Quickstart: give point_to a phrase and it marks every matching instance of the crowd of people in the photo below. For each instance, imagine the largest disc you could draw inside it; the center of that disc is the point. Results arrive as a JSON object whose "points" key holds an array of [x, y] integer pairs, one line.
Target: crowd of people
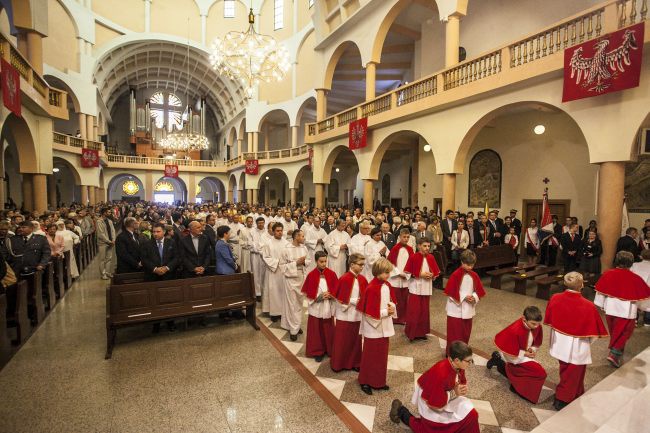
{"points": [[364, 273]]}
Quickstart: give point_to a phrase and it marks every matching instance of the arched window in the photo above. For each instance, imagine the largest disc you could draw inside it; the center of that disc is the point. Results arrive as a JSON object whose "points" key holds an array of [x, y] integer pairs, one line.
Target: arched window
{"points": [[166, 110]]}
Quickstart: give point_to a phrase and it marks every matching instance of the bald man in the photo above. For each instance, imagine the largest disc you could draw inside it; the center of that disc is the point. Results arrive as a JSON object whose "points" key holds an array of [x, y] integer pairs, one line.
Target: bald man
{"points": [[195, 251]]}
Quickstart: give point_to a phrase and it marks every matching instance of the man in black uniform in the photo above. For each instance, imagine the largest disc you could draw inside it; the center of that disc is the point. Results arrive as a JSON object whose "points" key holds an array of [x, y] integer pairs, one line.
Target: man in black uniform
{"points": [[127, 248]]}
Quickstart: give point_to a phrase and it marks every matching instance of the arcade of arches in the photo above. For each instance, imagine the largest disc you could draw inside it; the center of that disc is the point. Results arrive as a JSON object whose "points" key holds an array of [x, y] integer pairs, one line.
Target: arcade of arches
{"points": [[459, 117]]}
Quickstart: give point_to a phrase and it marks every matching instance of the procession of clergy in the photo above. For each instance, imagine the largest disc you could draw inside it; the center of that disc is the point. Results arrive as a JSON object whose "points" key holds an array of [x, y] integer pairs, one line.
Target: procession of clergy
{"points": [[358, 290]]}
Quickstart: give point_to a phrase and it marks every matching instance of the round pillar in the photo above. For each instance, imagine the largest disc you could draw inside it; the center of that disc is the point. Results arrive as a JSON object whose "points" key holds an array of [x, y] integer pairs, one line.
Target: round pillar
{"points": [[611, 190], [39, 183], [367, 195], [84, 195], [321, 104], [254, 198], [28, 191], [294, 136], [51, 191], [448, 192], [90, 128], [319, 189], [371, 74], [35, 51], [82, 125], [294, 195], [452, 40], [92, 195]]}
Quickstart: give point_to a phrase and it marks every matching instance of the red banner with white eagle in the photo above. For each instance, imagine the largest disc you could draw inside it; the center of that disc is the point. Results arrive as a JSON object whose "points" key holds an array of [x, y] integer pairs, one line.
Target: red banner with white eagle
{"points": [[171, 170], [358, 134], [607, 64], [11, 88], [89, 158], [252, 166]]}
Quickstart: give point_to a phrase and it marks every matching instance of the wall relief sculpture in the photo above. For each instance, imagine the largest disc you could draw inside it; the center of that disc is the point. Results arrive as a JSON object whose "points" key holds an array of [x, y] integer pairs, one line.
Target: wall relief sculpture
{"points": [[637, 185], [485, 180]]}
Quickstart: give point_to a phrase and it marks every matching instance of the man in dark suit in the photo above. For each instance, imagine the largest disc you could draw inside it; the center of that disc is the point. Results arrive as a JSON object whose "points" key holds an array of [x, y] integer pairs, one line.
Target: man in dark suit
{"points": [[629, 243], [448, 225], [387, 236], [195, 252], [329, 225], [516, 222], [580, 232], [422, 233], [127, 248], [177, 220], [496, 229], [474, 235], [208, 230], [28, 252], [571, 245]]}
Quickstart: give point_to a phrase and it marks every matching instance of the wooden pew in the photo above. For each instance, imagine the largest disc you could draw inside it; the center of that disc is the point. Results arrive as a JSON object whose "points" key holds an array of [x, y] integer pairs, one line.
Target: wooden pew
{"points": [[58, 276], [138, 303], [127, 278], [545, 285], [495, 256], [497, 274], [67, 276], [522, 279], [16, 310], [5, 344], [48, 282], [77, 256]]}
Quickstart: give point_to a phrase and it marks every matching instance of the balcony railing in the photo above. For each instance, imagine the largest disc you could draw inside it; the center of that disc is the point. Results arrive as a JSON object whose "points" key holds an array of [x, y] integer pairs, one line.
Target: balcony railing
{"points": [[54, 101], [550, 41], [75, 142]]}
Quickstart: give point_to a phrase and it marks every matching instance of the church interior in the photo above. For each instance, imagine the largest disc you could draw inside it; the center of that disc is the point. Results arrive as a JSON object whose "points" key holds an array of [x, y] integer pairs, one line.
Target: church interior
{"points": [[214, 121]]}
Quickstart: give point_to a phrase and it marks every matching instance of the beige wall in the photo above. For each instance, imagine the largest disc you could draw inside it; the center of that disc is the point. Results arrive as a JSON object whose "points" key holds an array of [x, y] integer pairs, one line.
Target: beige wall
{"points": [[60, 47], [277, 92], [127, 13], [266, 21], [307, 62], [104, 34], [304, 13], [171, 17], [218, 26]]}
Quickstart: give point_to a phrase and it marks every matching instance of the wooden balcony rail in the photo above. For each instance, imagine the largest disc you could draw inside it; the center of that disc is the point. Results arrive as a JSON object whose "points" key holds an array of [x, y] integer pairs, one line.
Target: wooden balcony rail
{"points": [[69, 140], [587, 25]]}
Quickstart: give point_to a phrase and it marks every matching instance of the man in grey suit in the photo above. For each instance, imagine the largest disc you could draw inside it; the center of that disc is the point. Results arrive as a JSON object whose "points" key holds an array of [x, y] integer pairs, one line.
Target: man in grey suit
{"points": [[106, 241], [422, 233], [387, 237]]}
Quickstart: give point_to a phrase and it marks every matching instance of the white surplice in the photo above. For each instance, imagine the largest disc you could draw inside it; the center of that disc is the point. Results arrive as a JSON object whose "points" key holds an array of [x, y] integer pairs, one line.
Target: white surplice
{"points": [[372, 254], [336, 258], [294, 277], [373, 328], [257, 264], [465, 310], [312, 236], [421, 286], [273, 256], [235, 241], [289, 226], [349, 312], [398, 278], [246, 244], [323, 309], [357, 244]]}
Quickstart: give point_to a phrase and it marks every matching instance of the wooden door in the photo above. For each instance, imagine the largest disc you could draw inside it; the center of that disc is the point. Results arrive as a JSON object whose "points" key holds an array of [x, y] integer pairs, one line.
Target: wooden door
{"points": [[437, 205], [533, 209]]}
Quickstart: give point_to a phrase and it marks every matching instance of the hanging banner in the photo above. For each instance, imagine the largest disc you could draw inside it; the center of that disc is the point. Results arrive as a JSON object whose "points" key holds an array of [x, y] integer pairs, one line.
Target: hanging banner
{"points": [[358, 134], [252, 166], [608, 64], [171, 170], [310, 152], [89, 158], [11, 88]]}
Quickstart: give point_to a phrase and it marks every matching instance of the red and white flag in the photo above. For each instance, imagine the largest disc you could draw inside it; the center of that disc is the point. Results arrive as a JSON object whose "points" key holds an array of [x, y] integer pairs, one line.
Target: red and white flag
{"points": [[310, 160], [358, 134], [252, 166], [11, 88], [607, 64], [171, 170], [89, 158], [546, 229]]}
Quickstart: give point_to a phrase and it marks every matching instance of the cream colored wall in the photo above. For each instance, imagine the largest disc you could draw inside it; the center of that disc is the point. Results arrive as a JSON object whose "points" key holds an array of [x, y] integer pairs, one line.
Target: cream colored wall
{"points": [[430, 49], [304, 13], [559, 154], [171, 17], [104, 34], [266, 20], [5, 27], [60, 47], [127, 13], [307, 62], [277, 92], [398, 170], [218, 26]]}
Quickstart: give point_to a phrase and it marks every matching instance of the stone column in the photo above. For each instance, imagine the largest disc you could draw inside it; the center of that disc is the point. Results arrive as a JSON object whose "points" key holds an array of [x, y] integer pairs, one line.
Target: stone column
{"points": [[240, 144], [35, 51], [256, 141], [294, 195], [266, 137], [321, 104], [84, 195], [448, 192], [229, 195], [249, 196], [51, 191], [191, 188], [371, 74], [39, 183], [21, 41], [254, 198], [367, 195], [148, 186], [611, 189], [92, 195], [294, 136], [240, 196], [28, 192], [452, 40], [90, 126], [319, 190], [82, 125]]}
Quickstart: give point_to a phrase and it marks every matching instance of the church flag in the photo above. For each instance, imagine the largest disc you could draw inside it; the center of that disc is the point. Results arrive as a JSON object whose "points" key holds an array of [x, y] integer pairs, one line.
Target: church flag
{"points": [[252, 166], [625, 222], [546, 224], [358, 134], [607, 64], [89, 158], [11, 88], [487, 209], [171, 170]]}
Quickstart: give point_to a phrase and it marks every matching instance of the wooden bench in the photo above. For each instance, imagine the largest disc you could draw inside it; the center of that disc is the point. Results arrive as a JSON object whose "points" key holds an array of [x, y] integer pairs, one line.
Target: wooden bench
{"points": [[497, 274], [5, 344], [16, 310], [441, 261], [545, 286], [67, 275], [127, 278], [495, 256], [138, 303], [522, 279], [59, 283]]}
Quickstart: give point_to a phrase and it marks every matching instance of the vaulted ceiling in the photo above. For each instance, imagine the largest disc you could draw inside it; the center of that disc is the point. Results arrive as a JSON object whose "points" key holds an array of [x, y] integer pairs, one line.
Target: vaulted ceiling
{"points": [[164, 65]]}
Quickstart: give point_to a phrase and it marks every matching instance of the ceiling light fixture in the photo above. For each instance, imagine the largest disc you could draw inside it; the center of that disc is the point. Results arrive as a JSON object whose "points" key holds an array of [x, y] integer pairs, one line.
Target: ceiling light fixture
{"points": [[427, 148], [539, 129], [55, 170], [337, 169]]}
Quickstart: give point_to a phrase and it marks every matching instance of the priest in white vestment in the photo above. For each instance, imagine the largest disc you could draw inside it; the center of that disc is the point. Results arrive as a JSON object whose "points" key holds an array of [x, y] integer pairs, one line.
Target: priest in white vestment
{"points": [[295, 260], [336, 245], [314, 241], [245, 242], [235, 232], [375, 249], [358, 242], [257, 264], [273, 256]]}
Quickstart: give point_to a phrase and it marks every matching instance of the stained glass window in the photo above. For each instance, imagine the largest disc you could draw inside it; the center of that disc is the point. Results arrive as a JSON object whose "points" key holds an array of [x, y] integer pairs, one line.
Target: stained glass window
{"points": [[166, 110]]}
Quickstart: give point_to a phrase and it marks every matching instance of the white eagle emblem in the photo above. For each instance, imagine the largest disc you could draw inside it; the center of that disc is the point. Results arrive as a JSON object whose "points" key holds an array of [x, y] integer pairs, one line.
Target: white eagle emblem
{"points": [[90, 156], [12, 87], [251, 165], [357, 134], [598, 70]]}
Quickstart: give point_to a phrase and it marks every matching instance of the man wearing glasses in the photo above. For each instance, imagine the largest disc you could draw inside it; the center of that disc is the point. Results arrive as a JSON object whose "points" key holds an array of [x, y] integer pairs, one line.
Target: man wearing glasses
{"points": [[440, 395]]}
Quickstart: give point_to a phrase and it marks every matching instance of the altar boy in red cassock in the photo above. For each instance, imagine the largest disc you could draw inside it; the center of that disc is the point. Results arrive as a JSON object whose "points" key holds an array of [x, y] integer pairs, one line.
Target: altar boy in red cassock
{"points": [[399, 280], [575, 324], [423, 269], [318, 288], [377, 307], [518, 345], [464, 289], [440, 395], [618, 292], [347, 340]]}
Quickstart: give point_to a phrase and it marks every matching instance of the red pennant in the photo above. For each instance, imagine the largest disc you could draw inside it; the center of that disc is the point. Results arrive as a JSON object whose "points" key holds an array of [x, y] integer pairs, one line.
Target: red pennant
{"points": [[604, 65], [89, 158], [310, 160], [171, 170], [252, 166], [358, 134], [11, 88]]}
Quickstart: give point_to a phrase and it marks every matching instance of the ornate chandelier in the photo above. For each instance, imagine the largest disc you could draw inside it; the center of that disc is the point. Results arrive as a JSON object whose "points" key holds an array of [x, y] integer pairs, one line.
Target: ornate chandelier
{"points": [[250, 57]]}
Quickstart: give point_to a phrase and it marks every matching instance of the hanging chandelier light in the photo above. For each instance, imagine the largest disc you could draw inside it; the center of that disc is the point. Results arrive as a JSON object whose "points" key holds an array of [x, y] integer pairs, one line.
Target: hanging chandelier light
{"points": [[191, 135], [250, 57]]}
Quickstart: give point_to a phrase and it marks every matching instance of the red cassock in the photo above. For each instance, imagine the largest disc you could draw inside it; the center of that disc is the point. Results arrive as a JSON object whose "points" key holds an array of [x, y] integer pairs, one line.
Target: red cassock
{"points": [[458, 328], [347, 340], [417, 310], [435, 384], [401, 294], [571, 314], [624, 285], [320, 332], [374, 358], [527, 378]]}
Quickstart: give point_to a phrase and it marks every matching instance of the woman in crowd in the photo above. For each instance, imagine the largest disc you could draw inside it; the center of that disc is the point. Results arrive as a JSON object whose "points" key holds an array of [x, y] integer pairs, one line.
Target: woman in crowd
{"points": [[70, 239], [532, 242], [591, 251], [55, 240]]}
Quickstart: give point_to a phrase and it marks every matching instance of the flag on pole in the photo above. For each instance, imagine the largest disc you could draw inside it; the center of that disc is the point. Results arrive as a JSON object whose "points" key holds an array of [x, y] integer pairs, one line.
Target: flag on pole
{"points": [[626, 219], [546, 224], [487, 209]]}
